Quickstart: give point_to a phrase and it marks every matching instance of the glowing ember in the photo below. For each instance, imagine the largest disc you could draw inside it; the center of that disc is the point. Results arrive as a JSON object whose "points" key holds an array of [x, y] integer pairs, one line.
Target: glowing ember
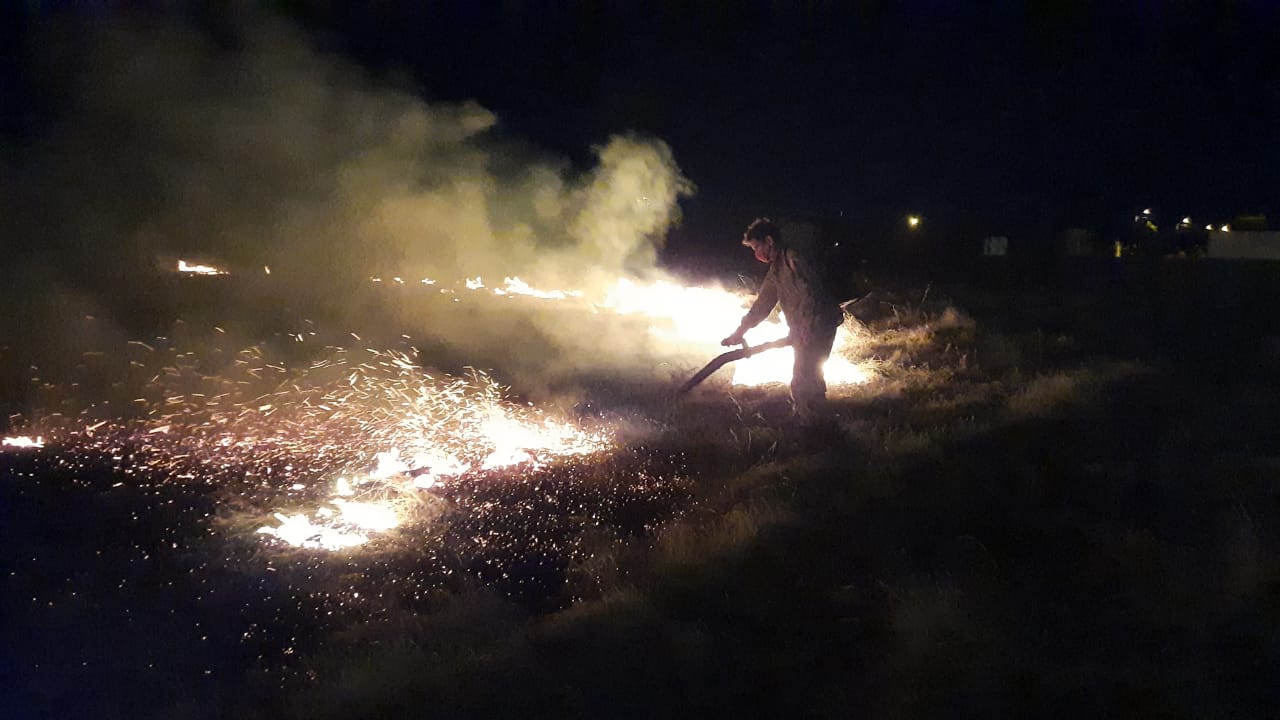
{"points": [[437, 429], [371, 430], [374, 516], [299, 531], [185, 267]]}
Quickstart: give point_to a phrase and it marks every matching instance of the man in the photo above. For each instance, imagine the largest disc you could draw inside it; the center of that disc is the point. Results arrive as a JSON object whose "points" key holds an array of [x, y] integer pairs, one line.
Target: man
{"points": [[811, 313]]}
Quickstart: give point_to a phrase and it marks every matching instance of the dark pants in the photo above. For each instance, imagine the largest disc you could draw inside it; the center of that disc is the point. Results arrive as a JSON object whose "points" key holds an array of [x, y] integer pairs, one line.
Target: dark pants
{"points": [[808, 386]]}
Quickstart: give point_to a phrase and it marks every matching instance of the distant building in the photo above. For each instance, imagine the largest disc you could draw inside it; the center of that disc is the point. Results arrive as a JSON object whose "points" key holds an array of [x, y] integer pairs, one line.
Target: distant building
{"points": [[1244, 245]]}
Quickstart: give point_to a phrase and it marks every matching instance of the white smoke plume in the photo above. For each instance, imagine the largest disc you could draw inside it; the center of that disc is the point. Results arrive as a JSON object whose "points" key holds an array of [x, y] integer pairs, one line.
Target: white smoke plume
{"points": [[165, 144]]}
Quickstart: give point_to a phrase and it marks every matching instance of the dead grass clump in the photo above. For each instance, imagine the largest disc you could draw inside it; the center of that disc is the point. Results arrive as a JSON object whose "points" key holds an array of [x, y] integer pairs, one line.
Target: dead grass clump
{"points": [[694, 543], [952, 319], [1062, 392], [1048, 394], [965, 399], [908, 441], [903, 338]]}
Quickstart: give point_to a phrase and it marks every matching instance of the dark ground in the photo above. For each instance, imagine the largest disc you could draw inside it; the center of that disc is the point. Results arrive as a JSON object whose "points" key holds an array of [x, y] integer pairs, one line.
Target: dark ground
{"points": [[1068, 506]]}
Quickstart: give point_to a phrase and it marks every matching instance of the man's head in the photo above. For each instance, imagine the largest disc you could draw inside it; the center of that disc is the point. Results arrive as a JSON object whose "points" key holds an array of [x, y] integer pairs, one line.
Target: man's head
{"points": [[764, 238]]}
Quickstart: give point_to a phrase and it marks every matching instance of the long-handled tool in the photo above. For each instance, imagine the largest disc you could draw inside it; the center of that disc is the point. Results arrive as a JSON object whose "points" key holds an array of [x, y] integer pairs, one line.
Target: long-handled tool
{"points": [[723, 359], [747, 351]]}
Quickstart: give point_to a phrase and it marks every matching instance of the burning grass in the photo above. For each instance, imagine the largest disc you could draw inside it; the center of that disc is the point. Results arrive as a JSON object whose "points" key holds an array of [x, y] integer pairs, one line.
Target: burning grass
{"points": [[958, 542], [313, 497], [974, 527]]}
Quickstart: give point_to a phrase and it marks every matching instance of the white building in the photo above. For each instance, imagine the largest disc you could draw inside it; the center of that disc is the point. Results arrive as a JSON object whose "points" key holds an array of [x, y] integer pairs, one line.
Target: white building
{"points": [[997, 245]]}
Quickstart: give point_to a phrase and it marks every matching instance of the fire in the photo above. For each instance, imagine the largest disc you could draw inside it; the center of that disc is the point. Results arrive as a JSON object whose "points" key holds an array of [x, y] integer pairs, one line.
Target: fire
{"points": [[511, 285], [434, 430], [193, 269], [516, 286], [299, 531], [774, 366], [341, 523], [374, 516], [689, 321], [695, 318], [691, 315], [357, 436]]}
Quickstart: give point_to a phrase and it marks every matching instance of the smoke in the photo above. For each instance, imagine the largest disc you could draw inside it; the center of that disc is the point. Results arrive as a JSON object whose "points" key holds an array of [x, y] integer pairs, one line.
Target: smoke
{"points": [[271, 154]]}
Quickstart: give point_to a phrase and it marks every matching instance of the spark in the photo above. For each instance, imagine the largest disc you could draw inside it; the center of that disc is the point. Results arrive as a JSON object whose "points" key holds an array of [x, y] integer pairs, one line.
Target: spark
{"points": [[342, 452], [435, 429], [352, 440]]}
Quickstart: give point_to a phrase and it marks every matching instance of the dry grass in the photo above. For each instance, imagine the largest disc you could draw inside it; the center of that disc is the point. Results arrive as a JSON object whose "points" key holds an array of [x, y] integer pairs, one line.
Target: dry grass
{"points": [[987, 539], [1013, 524]]}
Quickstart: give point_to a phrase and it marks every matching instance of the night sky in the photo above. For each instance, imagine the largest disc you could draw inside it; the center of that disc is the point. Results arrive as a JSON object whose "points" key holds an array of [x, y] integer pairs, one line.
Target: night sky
{"points": [[994, 115]]}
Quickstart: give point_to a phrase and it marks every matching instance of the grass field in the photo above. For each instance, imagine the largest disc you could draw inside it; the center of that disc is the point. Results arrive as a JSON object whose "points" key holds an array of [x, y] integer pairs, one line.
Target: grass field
{"points": [[1058, 498]]}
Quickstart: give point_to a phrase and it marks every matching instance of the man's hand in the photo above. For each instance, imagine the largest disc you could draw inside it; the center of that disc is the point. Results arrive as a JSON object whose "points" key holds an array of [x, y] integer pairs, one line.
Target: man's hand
{"points": [[734, 339]]}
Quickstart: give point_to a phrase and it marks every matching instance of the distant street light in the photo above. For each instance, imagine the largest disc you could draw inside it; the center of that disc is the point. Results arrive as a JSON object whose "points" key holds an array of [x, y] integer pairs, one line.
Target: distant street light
{"points": [[913, 221]]}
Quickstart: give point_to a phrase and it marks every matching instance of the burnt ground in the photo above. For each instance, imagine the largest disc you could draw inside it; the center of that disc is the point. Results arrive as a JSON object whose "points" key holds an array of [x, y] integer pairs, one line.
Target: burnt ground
{"points": [[1061, 497]]}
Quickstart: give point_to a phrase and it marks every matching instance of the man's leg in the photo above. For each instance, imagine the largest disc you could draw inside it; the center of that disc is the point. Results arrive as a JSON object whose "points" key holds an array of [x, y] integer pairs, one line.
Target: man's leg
{"points": [[808, 386]]}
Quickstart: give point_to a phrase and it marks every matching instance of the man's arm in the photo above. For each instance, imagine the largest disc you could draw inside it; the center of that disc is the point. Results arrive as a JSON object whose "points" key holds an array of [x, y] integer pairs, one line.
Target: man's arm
{"points": [[766, 300]]}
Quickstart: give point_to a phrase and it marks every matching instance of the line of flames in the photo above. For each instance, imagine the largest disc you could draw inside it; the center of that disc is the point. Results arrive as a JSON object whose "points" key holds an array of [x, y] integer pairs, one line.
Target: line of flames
{"points": [[718, 312], [427, 430]]}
